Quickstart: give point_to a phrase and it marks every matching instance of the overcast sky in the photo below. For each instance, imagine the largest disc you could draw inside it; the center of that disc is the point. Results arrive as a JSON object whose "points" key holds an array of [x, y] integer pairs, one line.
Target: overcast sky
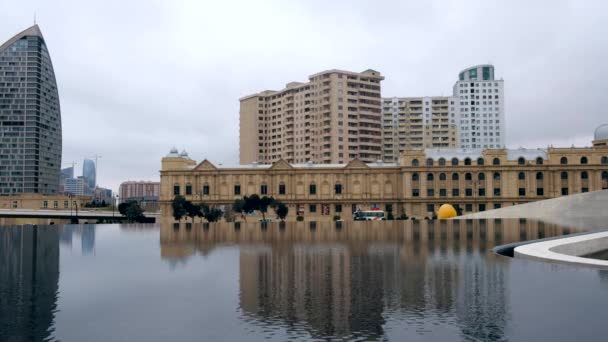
{"points": [[138, 77]]}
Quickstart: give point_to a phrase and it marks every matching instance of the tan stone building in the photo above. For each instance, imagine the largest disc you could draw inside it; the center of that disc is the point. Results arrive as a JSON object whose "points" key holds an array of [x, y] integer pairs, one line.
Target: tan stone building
{"points": [[333, 118], [418, 123], [422, 180], [40, 201]]}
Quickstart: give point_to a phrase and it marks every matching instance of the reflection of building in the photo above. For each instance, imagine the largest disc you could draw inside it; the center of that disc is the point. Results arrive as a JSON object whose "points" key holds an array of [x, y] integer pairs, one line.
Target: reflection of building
{"points": [[343, 282], [144, 192], [89, 174], [29, 276], [471, 179], [30, 120], [87, 239], [333, 118]]}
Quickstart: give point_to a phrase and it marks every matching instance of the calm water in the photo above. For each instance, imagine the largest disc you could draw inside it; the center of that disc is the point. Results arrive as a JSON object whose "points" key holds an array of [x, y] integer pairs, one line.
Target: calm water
{"points": [[391, 280]]}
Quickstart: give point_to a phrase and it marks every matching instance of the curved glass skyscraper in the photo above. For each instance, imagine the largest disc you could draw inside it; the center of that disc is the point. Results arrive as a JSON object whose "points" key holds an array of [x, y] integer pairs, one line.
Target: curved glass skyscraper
{"points": [[30, 116], [89, 174]]}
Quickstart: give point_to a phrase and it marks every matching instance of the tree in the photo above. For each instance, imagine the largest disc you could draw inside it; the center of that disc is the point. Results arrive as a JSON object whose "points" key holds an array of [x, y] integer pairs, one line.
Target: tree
{"points": [[252, 203], [213, 214], [122, 207], [281, 210], [239, 207], [177, 205], [191, 209], [263, 205], [134, 212]]}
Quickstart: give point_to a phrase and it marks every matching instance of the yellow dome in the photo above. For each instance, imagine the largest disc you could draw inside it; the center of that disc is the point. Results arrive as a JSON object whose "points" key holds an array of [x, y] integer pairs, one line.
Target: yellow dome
{"points": [[446, 211]]}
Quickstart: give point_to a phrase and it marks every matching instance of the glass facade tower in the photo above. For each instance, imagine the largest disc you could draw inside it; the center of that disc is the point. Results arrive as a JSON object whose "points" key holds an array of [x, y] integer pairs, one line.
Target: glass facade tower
{"points": [[30, 116], [89, 173]]}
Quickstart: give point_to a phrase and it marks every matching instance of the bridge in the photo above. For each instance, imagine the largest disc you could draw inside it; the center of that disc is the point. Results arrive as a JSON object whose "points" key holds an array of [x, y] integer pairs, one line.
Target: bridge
{"points": [[67, 216]]}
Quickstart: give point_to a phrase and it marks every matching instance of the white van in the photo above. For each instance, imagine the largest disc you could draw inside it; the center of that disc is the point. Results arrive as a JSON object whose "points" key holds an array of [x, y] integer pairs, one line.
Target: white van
{"points": [[369, 215]]}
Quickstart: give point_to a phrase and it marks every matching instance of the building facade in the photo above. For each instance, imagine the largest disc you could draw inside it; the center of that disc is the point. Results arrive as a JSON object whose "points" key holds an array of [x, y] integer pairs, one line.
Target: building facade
{"points": [[471, 179], [146, 193], [75, 186], [30, 117], [89, 173], [418, 122], [40, 201], [481, 107], [333, 118]]}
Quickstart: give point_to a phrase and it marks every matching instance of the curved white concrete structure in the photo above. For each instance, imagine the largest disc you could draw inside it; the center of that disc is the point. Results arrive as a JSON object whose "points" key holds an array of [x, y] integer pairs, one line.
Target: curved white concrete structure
{"points": [[567, 250]]}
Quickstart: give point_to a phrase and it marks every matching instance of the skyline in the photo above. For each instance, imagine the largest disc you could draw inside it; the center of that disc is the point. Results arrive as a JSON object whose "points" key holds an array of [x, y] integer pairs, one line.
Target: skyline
{"points": [[191, 63]]}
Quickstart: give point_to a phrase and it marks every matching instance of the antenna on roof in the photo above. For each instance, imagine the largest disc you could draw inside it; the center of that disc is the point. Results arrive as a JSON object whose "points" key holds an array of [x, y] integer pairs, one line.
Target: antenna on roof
{"points": [[34, 17]]}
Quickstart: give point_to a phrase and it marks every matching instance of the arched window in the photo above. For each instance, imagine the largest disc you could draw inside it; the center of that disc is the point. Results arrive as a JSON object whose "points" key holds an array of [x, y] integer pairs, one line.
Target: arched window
{"points": [[442, 176], [539, 161], [496, 161], [455, 176], [583, 160], [468, 176], [430, 177], [415, 162], [479, 161], [441, 161], [563, 161], [521, 176], [584, 175], [454, 161], [481, 176], [521, 161], [564, 175], [496, 176], [539, 176], [467, 161], [605, 175], [415, 177], [429, 162], [604, 160]]}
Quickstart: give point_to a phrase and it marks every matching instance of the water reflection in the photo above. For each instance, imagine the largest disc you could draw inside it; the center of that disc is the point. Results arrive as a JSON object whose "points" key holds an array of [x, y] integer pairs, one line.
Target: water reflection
{"points": [[344, 281], [29, 275], [86, 233]]}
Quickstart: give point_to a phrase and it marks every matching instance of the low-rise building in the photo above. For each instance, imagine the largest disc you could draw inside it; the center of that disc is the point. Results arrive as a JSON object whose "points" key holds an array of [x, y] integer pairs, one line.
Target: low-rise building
{"points": [[146, 193], [470, 179], [40, 201]]}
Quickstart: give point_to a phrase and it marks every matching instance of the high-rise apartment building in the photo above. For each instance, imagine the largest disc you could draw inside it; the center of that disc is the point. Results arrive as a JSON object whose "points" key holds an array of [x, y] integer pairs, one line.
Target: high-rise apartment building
{"points": [[75, 186], [333, 118], [417, 123], [89, 173], [30, 116], [481, 108]]}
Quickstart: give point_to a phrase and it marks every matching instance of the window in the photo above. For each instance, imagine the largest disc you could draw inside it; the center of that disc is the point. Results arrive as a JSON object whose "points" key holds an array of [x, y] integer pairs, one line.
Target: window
{"points": [[604, 160], [338, 208], [237, 189], [176, 189], [564, 175], [605, 175], [282, 189], [312, 189], [496, 176], [454, 161], [16, 204], [481, 191], [540, 191], [415, 177], [430, 208], [521, 161], [415, 162], [522, 191], [480, 161], [584, 175], [430, 177], [539, 161], [564, 191], [65, 204], [468, 207], [443, 192], [468, 176], [55, 204], [338, 188], [468, 192], [467, 161], [206, 189], [563, 161], [583, 160], [496, 161], [415, 193], [429, 162], [521, 176], [45, 204], [188, 189], [455, 176], [430, 192], [482, 207], [497, 206], [388, 208], [539, 176], [442, 176], [455, 192], [481, 176], [312, 208], [441, 162], [584, 189], [496, 191]]}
